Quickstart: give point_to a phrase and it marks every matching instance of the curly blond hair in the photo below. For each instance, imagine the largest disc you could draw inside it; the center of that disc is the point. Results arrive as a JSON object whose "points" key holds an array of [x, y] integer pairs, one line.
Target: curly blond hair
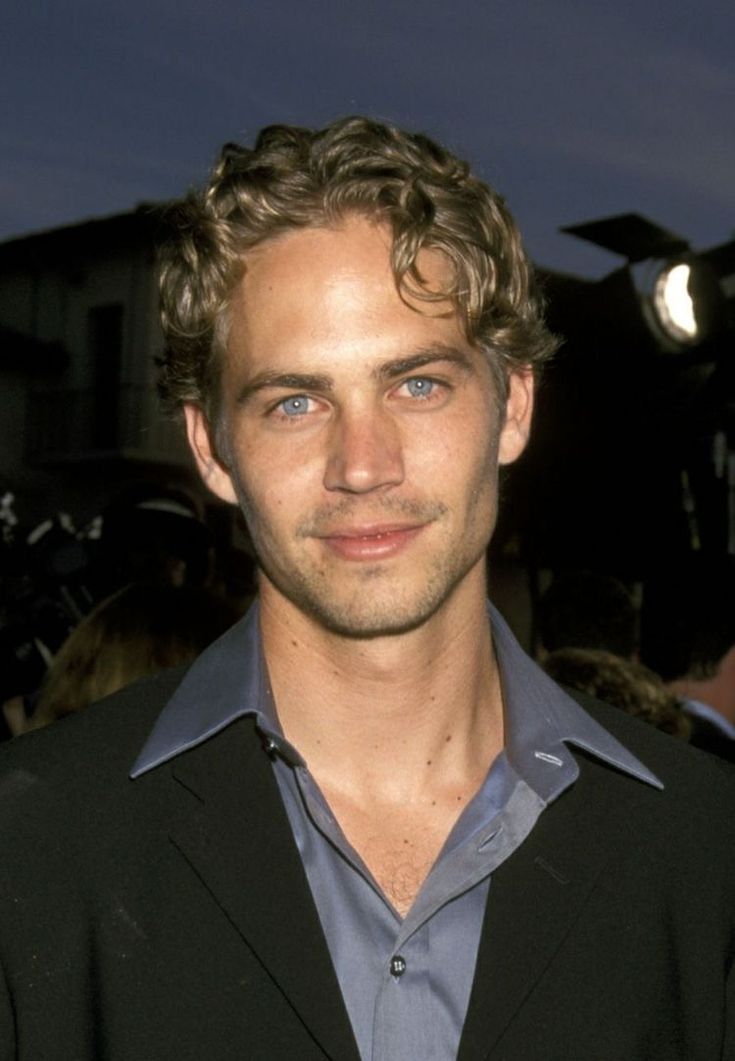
{"points": [[296, 178]]}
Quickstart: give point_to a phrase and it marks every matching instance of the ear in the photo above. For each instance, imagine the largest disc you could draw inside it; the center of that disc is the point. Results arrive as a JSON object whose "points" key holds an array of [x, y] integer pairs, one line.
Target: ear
{"points": [[518, 411], [214, 473]]}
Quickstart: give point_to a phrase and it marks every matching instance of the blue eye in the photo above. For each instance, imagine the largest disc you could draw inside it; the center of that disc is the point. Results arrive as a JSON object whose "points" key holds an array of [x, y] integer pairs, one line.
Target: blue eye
{"points": [[295, 406], [419, 387]]}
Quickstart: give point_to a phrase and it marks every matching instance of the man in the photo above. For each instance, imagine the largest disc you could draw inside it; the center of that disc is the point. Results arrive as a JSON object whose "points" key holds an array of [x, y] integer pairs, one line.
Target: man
{"points": [[363, 824], [689, 628]]}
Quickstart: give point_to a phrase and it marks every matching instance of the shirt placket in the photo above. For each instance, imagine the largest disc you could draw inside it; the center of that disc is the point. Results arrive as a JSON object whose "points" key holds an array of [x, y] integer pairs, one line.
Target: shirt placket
{"points": [[403, 1000]]}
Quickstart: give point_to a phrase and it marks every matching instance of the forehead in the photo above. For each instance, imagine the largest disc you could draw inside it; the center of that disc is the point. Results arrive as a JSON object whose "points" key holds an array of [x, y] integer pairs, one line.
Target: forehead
{"points": [[311, 292]]}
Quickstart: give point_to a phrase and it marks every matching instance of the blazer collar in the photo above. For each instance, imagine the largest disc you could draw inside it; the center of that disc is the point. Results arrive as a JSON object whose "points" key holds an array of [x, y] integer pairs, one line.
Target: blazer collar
{"points": [[538, 895], [229, 825]]}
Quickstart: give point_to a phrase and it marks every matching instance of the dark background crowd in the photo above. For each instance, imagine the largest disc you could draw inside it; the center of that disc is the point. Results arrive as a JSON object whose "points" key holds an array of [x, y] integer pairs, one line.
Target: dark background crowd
{"points": [[84, 611], [144, 586]]}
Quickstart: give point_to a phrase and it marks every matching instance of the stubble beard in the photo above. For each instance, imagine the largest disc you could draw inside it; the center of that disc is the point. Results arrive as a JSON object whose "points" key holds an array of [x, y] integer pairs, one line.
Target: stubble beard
{"points": [[377, 604]]}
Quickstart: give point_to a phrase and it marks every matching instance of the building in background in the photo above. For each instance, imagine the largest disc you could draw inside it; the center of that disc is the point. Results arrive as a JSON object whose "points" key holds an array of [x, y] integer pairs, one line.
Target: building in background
{"points": [[638, 428], [79, 336]]}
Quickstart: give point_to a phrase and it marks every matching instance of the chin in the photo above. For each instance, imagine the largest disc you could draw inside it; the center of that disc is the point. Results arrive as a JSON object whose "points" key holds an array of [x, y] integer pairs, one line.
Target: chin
{"points": [[375, 610], [367, 624]]}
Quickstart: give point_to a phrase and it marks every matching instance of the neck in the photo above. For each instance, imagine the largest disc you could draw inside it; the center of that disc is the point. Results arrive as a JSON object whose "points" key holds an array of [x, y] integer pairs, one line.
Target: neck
{"points": [[390, 715]]}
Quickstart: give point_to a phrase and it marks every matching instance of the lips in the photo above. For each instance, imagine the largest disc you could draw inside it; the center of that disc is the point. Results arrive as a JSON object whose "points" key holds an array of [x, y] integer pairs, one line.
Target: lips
{"points": [[376, 542]]}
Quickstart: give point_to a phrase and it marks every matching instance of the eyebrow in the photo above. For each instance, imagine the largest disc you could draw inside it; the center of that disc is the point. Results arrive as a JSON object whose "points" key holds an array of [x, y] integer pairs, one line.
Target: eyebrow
{"points": [[285, 380], [432, 355], [387, 370]]}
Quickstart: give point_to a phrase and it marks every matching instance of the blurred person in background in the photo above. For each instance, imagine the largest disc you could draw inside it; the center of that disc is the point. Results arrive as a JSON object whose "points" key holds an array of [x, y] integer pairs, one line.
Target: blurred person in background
{"points": [[689, 640], [587, 609], [152, 534], [53, 574], [140, 630], [624, 683]]}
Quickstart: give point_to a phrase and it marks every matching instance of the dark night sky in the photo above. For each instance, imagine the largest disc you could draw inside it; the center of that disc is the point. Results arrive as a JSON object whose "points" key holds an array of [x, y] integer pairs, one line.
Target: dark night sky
{"points": [[573, 109]]}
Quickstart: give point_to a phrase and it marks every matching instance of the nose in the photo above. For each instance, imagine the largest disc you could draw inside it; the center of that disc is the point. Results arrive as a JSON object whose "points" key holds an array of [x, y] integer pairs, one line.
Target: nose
{"points": [[365, 452]]}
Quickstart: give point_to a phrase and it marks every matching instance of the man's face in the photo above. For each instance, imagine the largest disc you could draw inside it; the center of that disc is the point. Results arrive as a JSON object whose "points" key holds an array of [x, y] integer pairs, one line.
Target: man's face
{"points": [[362, 435]]}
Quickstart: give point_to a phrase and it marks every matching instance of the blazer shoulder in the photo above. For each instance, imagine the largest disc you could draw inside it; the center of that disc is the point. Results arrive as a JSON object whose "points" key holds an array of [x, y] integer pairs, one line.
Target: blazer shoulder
{"points": [[110, 733], [687, 773]]}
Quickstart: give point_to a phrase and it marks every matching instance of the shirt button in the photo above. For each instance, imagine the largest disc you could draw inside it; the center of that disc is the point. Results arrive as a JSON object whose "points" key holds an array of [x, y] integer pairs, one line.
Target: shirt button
{"points": [[397, 965]]}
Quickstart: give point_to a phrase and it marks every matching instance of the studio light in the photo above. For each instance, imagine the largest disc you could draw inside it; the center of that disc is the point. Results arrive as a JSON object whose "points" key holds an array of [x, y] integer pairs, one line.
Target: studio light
{"points": [[680, 299], [673, 303], [680, 293]]}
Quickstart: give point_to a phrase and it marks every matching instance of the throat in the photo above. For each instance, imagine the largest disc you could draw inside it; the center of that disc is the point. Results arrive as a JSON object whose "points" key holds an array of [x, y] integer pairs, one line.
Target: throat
{"points": [[400, 841]]}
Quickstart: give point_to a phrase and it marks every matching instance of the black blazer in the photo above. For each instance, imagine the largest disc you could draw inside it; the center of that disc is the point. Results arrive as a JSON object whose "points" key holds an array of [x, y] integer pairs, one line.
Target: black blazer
{"points": [[170, 917]]}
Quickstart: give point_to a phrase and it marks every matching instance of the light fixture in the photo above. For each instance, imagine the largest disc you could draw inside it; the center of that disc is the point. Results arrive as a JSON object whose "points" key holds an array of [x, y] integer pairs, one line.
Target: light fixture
{"points": [[673, 303], [679, 292], [679, 298]]}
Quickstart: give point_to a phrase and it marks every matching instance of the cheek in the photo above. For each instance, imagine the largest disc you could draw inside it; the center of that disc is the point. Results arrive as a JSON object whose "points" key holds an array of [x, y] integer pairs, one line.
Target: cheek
{"points": [[460, 457], [275, 487]]}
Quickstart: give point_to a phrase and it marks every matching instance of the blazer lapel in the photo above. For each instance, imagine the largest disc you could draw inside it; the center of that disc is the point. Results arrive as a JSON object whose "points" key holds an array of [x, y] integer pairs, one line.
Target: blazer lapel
{"points": [[234, 833], [534, 900]]}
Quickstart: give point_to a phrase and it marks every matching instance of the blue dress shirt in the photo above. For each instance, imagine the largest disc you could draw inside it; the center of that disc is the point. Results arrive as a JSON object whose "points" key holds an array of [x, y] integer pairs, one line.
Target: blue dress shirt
{"points": [[701, 710], [405, 982]]}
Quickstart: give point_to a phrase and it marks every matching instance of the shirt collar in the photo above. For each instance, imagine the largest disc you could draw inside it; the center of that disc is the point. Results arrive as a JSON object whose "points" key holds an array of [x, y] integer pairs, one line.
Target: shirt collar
{"points": [[229, 680], [701, 710], [541, 720]]}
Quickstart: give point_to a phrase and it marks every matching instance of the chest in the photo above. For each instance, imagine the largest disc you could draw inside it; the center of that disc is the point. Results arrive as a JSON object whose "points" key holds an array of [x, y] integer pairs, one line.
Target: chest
{"points": [[398, 844]]}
